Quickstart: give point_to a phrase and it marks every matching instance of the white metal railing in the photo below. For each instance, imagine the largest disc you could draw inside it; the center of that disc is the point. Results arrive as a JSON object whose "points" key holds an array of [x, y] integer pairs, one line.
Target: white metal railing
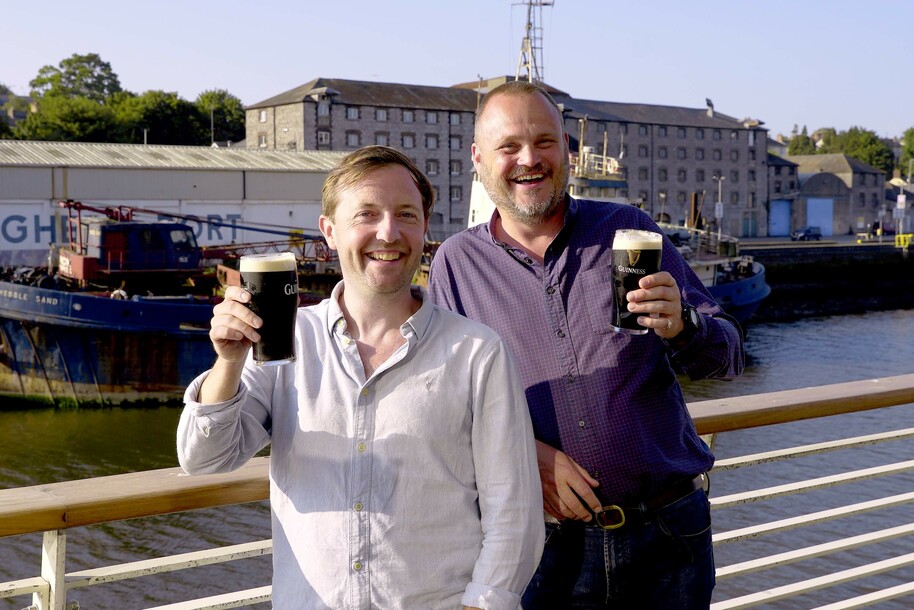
{"points": [[55, 508]]}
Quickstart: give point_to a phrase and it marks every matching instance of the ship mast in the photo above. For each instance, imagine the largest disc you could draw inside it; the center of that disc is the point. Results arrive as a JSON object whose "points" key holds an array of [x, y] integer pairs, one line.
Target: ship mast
{"points": [[530, 62]]}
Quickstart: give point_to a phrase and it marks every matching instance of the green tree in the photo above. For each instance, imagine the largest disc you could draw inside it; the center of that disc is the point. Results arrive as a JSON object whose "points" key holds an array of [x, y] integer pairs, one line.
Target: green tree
{"points": [[864, 145], [801, 144], [6, 132], [223, 113], [4, 90], [165, 117], [907, 151], [86, 76], [75, 119]]}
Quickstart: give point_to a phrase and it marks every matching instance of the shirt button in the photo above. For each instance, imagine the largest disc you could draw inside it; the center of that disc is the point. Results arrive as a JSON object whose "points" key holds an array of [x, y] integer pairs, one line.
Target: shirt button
{"points": [[357, 566], [358, 506], [365, 392], [550, 290], [582, 423], [560, 333], [529, 261], [570, 377], [347, 340], [361, 447]]}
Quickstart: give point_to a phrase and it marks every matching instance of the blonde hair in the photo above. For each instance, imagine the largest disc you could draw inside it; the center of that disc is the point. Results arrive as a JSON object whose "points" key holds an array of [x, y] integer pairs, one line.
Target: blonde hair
{"points": [[358, 164]]}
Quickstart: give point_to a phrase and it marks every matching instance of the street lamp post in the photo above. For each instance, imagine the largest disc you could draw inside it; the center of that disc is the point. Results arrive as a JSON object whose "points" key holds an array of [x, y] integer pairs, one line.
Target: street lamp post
{"points": [[719, 206]]}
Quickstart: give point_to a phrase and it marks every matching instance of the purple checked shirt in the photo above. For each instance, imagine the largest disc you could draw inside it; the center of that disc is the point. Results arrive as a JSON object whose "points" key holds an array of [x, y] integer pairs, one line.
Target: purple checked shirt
{"points": [[610, 401]]}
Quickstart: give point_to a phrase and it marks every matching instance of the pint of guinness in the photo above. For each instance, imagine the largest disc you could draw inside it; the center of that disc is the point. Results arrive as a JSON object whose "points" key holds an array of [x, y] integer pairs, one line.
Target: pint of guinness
{"points": [[636, 253], [272, 281]]}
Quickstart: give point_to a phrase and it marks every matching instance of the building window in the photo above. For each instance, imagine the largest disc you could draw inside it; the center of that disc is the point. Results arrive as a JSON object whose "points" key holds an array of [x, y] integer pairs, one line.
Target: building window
{"points": [[352, 113], [716, 134], [263, 116], [455, 118], [353, 139], [661, 152], [734, 155], [717, 154], [734, 176], [323, 137], [409, 140], [642, 151], [382, 139], [642, 195], [642, 130], [323, 108], [431, 140], [431, 167], [700, 154], [681, 175], [681, 153], [874, 199], [751, 175], [699, 134], [456, 143], [752, 155], [661, 131], [380, 114], [752, 199], [734, 197], [456, 168], [642, 174], [777, 170], [623, 128], [734, 135], [699, 175], [776, 187], [752, 138], [431, 117], [681, 132], [662, 174], [262, 140], [681, 197], [792, 185], [861, 197], [456, 193], [408, 116]]}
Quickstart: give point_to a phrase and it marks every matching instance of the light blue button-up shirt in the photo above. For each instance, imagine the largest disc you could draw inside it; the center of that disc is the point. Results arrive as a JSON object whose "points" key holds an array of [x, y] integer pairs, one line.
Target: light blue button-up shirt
{"points": [[414, 488]]}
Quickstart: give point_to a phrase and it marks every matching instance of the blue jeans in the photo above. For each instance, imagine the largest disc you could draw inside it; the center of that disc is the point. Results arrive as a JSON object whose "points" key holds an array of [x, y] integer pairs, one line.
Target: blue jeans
{"points": [[661, 561]]}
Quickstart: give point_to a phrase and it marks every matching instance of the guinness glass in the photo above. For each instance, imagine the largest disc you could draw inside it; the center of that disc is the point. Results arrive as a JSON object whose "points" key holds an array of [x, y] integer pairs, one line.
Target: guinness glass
{"points": [[272, 280], [636, 254]]}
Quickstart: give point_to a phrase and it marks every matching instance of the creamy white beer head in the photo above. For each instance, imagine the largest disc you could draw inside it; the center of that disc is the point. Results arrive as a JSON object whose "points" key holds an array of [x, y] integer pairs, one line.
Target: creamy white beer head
{"points": [[637, 239], [263, 263]]}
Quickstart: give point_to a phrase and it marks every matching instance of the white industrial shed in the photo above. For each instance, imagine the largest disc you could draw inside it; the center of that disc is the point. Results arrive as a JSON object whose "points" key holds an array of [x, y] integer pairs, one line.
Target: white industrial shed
{"points": [[244, 187]]}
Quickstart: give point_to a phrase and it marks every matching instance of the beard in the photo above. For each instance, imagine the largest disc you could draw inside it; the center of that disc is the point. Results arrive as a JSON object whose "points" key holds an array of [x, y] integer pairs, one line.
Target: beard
{"points": [[545, 200]]}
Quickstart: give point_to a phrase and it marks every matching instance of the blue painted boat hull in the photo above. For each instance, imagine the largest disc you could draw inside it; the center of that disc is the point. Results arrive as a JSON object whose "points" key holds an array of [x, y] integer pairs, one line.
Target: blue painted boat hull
{"points": [[741, 297], [77, 349]]}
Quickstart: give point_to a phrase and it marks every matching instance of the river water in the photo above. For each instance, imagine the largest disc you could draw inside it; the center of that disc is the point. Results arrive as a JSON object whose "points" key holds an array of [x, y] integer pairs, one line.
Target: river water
{"points": [[43, 446]]}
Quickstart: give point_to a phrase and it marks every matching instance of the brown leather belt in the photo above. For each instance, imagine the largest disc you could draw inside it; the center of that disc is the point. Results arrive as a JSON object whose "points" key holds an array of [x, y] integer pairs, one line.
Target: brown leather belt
{"points": [[613, 516]]}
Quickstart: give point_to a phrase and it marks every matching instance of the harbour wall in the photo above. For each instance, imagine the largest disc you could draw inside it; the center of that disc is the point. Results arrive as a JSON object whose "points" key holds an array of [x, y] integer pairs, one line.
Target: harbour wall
{"points": [[833, 278]]}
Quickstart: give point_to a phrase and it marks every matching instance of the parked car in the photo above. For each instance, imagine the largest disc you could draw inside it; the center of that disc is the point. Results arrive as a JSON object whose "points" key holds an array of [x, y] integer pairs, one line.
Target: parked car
{"points": [[806, 234]]}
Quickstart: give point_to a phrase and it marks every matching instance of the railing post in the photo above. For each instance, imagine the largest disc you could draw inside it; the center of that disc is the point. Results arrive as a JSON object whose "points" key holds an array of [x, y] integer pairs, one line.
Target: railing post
{"points": [[53, 570]]}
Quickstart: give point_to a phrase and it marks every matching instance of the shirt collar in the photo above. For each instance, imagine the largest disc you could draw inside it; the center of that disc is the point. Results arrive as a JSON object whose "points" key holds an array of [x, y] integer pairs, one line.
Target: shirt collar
{"points": [[418, 322], [571, 212]]}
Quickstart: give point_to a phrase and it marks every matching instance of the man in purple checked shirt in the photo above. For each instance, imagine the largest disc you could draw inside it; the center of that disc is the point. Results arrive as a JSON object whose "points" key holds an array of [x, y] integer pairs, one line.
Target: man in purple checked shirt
{"points": [[626, 515]]}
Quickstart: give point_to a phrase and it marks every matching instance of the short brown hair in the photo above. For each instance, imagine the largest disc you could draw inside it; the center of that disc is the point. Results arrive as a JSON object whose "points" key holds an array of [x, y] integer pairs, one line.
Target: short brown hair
{"points": [[516, 87], [358, 164]]}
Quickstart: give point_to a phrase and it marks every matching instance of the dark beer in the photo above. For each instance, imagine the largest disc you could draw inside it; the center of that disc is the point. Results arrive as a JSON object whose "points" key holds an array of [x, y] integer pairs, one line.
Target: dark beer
{"points": [[272, 281], [636, 254]]}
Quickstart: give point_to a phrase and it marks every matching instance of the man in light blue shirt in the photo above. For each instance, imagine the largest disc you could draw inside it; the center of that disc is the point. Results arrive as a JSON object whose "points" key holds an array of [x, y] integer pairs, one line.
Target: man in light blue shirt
{"points": [[403, 470]]}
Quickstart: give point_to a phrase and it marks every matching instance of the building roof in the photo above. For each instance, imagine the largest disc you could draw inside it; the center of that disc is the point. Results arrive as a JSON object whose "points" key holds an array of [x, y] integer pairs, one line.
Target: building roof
{"points": [[650, 114], [81, 154], [774, 160], [367, 93], [833, 163]]}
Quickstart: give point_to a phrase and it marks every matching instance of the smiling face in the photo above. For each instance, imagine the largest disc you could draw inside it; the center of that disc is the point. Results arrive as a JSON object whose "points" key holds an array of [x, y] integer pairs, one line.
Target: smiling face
{"points": [[521, 155], [378, 230]]}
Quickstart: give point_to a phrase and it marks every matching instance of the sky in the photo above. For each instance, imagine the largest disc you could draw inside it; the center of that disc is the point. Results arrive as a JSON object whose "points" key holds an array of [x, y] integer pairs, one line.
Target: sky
{"points": [[813, 63]]}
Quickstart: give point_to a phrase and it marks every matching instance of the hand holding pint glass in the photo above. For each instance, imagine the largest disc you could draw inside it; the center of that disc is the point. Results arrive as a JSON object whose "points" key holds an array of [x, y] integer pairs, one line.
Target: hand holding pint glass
{"points": [[636, 254], [272, 281]]}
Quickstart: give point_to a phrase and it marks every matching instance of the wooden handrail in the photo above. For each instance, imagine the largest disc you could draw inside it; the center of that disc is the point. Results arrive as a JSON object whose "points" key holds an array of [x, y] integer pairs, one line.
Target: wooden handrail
{"points": [[126, 496], [727, 414], [155, 492]]}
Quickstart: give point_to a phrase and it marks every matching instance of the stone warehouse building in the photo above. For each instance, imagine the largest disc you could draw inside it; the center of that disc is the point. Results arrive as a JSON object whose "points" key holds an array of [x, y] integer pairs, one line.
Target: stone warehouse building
{"points": [[670, 155]]}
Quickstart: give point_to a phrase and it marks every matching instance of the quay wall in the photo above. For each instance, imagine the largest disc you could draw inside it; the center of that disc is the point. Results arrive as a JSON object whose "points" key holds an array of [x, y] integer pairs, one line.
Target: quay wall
{"points": [[833, 278]]}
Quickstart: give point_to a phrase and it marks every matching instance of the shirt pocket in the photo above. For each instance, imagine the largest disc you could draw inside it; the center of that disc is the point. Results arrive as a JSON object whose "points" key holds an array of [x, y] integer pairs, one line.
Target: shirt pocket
{"points": [[597, 285]]}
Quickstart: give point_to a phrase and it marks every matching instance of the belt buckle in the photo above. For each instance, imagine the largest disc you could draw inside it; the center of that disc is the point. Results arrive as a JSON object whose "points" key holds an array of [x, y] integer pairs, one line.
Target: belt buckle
{"points": [[600, 517]]}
